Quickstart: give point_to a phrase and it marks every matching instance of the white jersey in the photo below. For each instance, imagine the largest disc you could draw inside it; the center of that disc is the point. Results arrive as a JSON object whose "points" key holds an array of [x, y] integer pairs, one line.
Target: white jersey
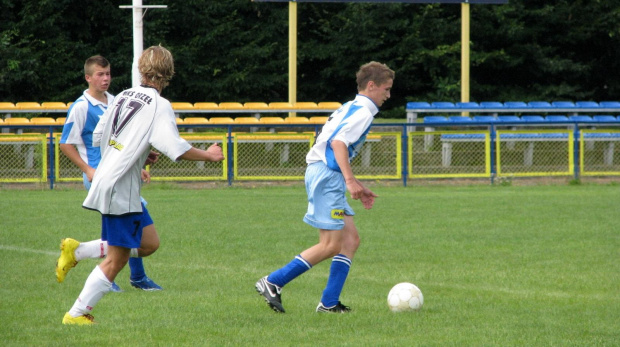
{"points": [[349, 124], [138, 119]]}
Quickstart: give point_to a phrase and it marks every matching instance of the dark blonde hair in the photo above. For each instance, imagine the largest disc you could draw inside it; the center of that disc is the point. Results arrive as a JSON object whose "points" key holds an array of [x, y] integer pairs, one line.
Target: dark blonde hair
{"points": [[373, 71], [92, 61], [156, 67]]}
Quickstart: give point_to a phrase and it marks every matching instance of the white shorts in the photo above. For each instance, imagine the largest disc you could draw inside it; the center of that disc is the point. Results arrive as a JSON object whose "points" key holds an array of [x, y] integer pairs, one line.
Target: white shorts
{"points": [[327, 202]]}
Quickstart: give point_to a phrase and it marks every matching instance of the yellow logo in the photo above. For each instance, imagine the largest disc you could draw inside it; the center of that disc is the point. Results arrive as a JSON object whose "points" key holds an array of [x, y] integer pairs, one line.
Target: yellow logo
{"points": [[338, 214], [116, 145]]}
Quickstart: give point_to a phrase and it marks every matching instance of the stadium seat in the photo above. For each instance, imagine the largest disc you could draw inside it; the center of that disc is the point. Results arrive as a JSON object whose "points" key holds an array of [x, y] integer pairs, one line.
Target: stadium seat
{"points": [[281, 106], [586, 104], [510, 118], [306, 105], [178, 120], [459, 119], [255, 105], [609, 104], [563, 104], [246, 120], [296, 120], [580, 118], [469, 104], [28, 105], [194, 120], [532, 118], [271, 120], [182, 106], [7, 106], [206, 106], [231, 106], [54, 105], [43, 121], [484, 119], [436, 119], [16, 121], [318, 119], [221, 120], [515, 104], [491, 104], [556, 118], [61, 120], [443, 104], [418, 104], [329, 105], [604, 118], [540, 104]]}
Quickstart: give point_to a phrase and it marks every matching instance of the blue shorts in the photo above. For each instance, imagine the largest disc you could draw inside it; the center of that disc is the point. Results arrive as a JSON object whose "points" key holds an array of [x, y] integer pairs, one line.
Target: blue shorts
{"points": [[125, 231], [327, 202]]}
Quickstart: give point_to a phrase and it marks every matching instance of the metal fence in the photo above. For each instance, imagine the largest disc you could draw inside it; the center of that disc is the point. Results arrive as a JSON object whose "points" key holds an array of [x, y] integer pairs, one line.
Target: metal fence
{"points": [[392, 152]]}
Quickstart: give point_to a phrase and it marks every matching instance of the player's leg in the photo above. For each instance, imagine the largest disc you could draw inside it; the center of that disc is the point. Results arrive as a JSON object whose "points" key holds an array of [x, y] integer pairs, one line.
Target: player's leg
{"points": [[339, 270], [148, 245]]}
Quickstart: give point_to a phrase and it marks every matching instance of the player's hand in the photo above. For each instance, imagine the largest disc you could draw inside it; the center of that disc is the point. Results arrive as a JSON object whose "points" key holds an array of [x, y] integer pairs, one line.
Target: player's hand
{"points": [[152, 158], [355, 189], [90, 173], [368, 198], [215, 152], [146, 176]]}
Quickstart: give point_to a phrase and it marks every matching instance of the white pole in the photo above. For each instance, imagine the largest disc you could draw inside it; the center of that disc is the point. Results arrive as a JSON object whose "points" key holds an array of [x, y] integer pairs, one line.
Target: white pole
{"points": [[138, 45]]}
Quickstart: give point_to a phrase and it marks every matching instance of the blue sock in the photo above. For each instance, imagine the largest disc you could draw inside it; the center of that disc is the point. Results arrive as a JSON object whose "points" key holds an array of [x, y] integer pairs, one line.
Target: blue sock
{"points": [[136, 268], [338, 273], [289, 272]]}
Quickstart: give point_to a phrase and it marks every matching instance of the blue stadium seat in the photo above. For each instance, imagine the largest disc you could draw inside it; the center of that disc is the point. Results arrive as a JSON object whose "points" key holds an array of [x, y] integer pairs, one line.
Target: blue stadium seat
{"points": [[515, 104], [491, 104], [436, 119], [563, 104], [459, 119], [418, 104], [443, 104], [609, 104], [508, 119], [587, 104], [532, 118], [604, 118], [484, 119], [580, 118], [556, 118], [467, 105], [540, 104]]}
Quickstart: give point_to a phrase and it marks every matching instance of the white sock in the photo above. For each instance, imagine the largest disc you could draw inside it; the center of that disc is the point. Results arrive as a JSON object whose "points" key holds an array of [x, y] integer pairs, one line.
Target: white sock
{"points": [[96, 286], [133, 253], [91, 249]]}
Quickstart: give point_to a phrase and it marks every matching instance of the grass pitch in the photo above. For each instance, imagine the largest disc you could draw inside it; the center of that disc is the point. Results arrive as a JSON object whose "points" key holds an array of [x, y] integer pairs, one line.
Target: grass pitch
{"points": [[498, 266]]}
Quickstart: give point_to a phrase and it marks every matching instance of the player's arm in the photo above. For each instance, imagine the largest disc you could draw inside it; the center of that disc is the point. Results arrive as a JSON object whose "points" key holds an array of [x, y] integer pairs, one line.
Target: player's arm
{"points": [[213, 153], [71, 152], [354, 186]]}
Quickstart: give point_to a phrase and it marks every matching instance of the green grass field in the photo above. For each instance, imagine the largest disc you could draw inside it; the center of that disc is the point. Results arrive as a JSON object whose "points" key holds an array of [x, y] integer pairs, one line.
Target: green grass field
{"points": [[498, 266]]}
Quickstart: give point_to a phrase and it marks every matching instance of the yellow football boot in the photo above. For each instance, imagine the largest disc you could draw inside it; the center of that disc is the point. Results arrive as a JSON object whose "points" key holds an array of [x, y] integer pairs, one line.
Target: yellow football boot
{"points": [[67, 258], [81, 320]]}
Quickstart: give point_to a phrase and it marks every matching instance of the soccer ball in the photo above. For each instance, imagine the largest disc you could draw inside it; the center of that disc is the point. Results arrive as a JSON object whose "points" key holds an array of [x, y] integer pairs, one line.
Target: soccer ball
{"points": [[405, 297]]}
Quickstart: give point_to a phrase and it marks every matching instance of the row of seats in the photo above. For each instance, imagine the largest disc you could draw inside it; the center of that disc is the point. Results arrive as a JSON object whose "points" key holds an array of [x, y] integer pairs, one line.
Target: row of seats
{"points": [[182, 121], [7, 107], [515, 105], [526, 118]]}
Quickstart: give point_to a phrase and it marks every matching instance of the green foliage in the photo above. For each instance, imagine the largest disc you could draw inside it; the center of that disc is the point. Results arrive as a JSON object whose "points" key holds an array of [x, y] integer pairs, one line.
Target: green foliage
{"points": [[238, 50]]}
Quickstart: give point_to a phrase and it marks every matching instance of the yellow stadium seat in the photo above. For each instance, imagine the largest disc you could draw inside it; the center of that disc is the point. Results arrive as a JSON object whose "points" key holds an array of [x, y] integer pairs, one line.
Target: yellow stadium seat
{"points": [[296, 120], [7, 106], [246, 120], [28, 105], [221, 120], [54, 105], [271, 120], [318, 119], [329, 105], [195, 120], [231, 106], [61, 120], [255, 106], [306, 105], [281, 105], [206, 106], [182, 106], [43, 121], [178, 120], [16, 121]]}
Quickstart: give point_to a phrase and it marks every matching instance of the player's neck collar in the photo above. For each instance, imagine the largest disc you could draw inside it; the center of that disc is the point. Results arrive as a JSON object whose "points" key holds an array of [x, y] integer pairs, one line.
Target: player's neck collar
{"points": [[147, 86]]}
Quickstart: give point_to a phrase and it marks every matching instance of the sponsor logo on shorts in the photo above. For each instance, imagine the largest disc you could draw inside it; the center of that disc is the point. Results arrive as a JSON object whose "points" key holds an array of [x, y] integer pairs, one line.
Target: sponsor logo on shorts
{"points": [[338, 214]]}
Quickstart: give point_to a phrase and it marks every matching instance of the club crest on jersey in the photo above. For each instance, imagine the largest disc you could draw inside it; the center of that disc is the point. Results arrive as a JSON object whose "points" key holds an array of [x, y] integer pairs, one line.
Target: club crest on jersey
{"points": [[338, 214]]}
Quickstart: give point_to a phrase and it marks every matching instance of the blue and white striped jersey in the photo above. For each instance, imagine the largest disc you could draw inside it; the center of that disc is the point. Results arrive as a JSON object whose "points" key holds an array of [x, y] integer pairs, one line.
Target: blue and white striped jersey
{"points": [[349, 124]]}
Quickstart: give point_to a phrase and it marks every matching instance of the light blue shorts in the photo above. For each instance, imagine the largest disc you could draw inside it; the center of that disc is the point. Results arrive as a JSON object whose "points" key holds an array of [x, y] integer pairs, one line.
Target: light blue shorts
{"points": [[327, 202]]}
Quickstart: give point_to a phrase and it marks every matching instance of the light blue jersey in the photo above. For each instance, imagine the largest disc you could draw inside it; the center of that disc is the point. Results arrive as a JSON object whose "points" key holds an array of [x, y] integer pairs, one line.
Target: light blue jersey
{"points": [[82, 118]]}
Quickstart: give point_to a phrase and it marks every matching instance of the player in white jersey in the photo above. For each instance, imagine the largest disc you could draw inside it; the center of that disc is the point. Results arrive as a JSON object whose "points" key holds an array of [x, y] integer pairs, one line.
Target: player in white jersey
{"points": [[138, 119], [76, 143], [328, 176]]}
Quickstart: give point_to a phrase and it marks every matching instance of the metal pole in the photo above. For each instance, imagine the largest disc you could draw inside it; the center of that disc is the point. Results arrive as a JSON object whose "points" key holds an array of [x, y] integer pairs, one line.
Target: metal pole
{"points": [[292, 54], [138, 39], [465, 20]]}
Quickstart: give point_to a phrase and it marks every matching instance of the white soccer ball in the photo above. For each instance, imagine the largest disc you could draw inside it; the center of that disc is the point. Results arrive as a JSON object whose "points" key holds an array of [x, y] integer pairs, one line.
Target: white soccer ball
{"points": [[405, 297]]}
